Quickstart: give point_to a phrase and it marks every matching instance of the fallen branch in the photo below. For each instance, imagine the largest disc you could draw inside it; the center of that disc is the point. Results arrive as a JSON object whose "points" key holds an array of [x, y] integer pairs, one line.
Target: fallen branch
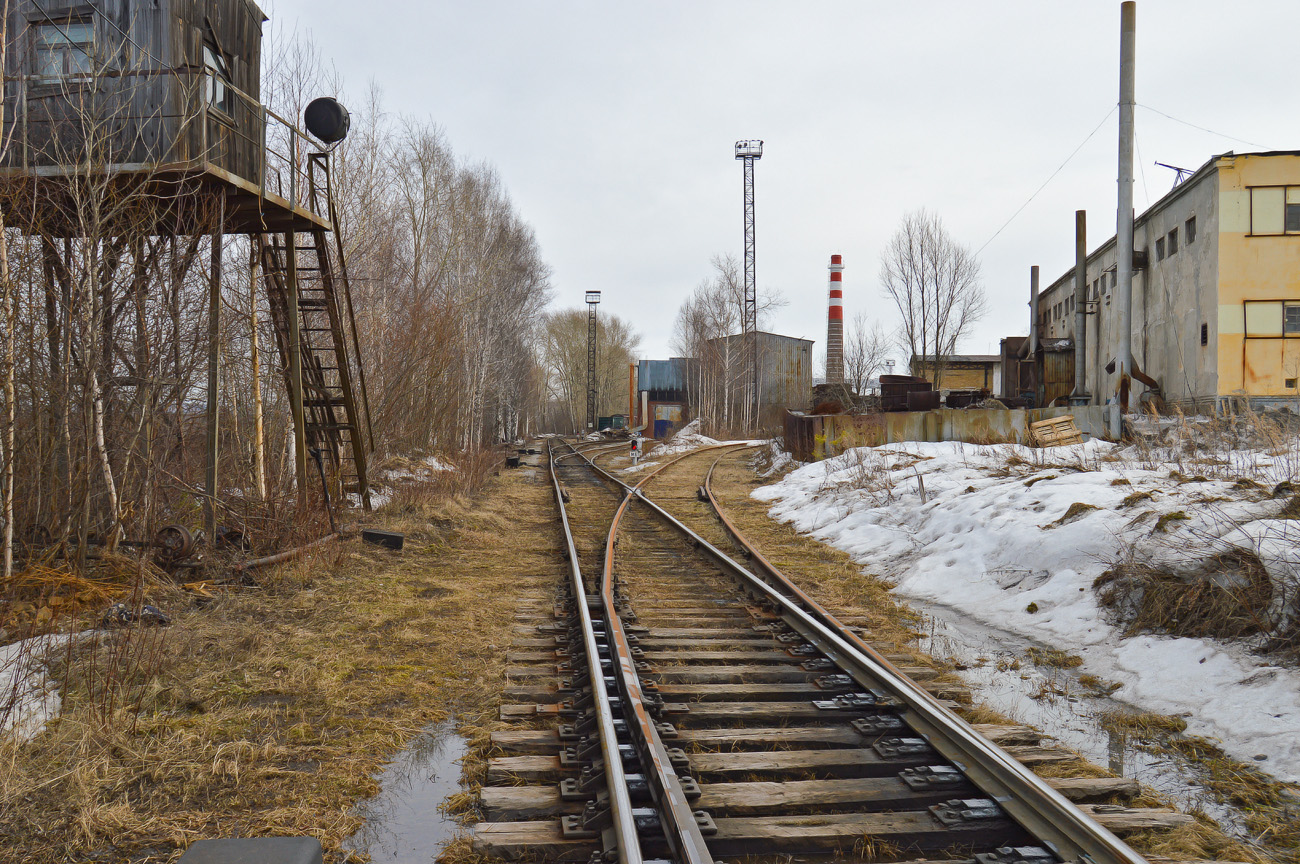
{"points": [[287, 555]]}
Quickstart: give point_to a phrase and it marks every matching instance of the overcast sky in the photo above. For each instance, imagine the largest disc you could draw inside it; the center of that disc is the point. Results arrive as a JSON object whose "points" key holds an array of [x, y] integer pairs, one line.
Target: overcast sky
{"points": [[613, 124]]}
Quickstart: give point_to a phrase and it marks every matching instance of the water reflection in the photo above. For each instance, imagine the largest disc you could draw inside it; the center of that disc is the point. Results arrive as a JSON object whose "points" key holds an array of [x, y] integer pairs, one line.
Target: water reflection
{"points": [[995, 664], [403, 824]]}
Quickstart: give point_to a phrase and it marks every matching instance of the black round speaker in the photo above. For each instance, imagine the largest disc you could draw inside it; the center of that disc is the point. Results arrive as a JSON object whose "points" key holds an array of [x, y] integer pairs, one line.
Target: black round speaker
{"points": [[327, 119]]}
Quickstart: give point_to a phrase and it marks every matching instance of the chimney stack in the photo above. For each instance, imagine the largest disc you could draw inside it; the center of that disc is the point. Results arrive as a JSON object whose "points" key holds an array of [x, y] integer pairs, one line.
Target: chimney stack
{"points": [[835, 325]]}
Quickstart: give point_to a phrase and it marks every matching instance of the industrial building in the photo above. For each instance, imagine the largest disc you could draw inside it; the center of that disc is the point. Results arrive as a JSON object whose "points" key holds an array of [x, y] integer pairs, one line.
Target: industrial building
{"points": [[784, 373], [1216, 289]]}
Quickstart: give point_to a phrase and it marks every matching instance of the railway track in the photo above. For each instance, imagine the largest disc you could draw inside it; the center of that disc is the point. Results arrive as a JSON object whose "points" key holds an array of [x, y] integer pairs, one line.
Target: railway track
{"points": [[688, 704]]}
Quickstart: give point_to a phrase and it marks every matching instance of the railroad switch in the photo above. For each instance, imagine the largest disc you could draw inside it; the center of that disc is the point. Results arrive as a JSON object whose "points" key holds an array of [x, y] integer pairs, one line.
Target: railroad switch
{"points": [[892, 748], [1016, 855], [960, 811], [702, 494], [878, 724], [927, 777]]}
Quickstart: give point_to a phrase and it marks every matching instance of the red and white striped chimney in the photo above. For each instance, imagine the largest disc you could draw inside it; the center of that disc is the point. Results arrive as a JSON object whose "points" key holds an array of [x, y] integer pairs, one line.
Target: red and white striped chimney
{"points": [[835, 325]]}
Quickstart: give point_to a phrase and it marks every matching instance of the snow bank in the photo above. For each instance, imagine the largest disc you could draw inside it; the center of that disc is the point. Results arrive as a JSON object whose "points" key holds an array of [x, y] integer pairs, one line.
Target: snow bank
{"points": [[29, 698], [688, 437], [1014, 537]]}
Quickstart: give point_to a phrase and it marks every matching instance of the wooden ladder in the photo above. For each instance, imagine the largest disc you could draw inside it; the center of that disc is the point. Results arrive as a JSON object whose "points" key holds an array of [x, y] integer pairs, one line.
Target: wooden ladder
{"points": [[336, 418]]}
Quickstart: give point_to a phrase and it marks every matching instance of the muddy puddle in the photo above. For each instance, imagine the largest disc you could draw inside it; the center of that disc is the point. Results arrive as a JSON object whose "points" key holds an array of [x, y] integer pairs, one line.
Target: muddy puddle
{"points": [[997, 666], [403, 823]]}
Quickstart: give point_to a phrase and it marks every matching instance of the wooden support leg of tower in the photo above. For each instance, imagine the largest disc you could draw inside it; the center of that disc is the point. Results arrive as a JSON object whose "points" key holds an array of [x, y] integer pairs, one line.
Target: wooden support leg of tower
{"points": [[214, 363], [295, 369]]}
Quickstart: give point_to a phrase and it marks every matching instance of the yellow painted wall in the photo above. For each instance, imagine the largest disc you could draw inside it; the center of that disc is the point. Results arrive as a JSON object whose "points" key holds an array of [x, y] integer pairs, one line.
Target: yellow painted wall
{"points": [[962, 378], [1254, 268]]}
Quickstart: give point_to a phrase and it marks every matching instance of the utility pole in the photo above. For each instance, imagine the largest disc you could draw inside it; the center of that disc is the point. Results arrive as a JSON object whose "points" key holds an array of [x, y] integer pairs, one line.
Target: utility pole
{"points": [[1124, 216], [748, 152], [593, 300], [1080, 394]]}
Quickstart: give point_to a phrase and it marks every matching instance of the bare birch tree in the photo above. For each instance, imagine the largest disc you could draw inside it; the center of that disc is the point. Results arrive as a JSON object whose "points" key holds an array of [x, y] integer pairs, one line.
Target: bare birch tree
{"points": [[935, 283]]}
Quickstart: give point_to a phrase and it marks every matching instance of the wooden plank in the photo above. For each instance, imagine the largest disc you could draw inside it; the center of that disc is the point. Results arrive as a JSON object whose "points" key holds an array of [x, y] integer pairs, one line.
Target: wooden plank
{"points": [[1127, 820], [1095, 789], [769, 736], [770, 674], [527, 741], [531, 768], [1004, 734], [700, 632], [839, 763], [863, 793], [519, 803], [536, 840], [766, 654], [796, 835], [750, 692]]}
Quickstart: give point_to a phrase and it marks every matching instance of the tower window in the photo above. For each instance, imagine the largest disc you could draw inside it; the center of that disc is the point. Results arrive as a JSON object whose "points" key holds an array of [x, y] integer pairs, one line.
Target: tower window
{"points": [[218, 74], [1189, 231], [1205, 334], [64, 48]]}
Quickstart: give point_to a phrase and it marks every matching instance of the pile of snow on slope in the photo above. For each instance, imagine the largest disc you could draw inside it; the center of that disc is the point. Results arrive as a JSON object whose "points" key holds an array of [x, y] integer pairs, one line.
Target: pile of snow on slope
{"points": [[1008, 535]]}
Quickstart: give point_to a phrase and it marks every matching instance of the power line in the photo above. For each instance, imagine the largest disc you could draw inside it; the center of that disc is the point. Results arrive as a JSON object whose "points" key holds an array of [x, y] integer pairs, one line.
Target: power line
{"points": [[1061, 167], [1202, 128]]}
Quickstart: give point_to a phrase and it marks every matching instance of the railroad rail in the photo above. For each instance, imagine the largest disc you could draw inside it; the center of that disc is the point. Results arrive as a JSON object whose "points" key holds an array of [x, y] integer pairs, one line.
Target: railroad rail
{"points": [[803, 738]]}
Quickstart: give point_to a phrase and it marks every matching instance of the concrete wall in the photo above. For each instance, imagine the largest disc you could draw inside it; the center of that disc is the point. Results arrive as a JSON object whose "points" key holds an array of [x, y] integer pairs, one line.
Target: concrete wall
{"points": [[816, 437]]}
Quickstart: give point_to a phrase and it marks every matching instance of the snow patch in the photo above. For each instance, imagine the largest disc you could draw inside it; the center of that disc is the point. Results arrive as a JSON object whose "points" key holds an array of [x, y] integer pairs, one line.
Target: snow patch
{"points": [[1014, 537]]}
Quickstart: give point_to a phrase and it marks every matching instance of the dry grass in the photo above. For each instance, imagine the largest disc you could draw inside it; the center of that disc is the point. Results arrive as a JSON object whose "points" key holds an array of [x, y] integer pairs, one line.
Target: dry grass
{"points": [[272, 709]]}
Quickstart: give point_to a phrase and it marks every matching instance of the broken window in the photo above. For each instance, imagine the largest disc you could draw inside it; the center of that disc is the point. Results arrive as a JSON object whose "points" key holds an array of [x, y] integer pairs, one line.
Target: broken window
{"points": [[218, 75], [64, 48], [1160, 249], [1189, 231], [1171, 242]]}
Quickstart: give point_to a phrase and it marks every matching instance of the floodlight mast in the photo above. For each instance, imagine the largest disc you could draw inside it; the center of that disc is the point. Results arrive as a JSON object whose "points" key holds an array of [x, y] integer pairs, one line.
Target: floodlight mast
{"points": [[593, 300], [748, 151]]}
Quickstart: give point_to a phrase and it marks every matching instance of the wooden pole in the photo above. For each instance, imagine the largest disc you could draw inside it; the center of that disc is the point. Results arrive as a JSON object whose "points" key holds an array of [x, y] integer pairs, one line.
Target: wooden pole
{"points": [[295, 369], [259, 434], [214, 363]]}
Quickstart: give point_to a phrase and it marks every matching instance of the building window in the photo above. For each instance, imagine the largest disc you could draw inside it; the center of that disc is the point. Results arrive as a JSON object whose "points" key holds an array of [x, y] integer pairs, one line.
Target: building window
{"points": [[1189, 231], [1160, 249], [1290, 383], [1172, 241], [1114, 279], [1205, 334], [1275, 210], [64, 48], [1291, 319], [218, 75]]}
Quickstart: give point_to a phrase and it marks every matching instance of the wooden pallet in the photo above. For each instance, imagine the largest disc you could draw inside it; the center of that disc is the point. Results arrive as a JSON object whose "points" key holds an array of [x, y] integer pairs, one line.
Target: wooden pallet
{"points": [[1056, 432]]}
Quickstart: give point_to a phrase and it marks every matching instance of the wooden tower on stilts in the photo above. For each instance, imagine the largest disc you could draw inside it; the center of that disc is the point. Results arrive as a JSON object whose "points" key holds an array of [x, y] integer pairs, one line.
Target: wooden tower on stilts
{"points": [[132, 130]]}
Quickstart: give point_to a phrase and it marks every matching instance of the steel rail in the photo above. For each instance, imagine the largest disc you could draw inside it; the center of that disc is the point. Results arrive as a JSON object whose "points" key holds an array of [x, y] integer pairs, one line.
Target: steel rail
{"points": [[1063, 828], [677, 819], [627, 842]]}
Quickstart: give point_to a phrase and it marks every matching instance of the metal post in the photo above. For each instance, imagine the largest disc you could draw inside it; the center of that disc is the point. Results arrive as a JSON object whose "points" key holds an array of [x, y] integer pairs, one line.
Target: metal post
{"points": [[1033, 311], [295, 368], [1124, 215], [1080, 395], [214, 364], [593, 299], [747, 152]]}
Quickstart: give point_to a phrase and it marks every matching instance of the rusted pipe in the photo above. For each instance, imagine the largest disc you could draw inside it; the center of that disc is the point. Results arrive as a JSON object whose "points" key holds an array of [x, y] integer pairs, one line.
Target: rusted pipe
{"points": [[287, 555]]}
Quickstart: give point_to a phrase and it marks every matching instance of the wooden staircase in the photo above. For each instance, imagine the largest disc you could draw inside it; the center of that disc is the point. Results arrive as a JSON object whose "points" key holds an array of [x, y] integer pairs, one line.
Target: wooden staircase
{"points": [[336, 416]]}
